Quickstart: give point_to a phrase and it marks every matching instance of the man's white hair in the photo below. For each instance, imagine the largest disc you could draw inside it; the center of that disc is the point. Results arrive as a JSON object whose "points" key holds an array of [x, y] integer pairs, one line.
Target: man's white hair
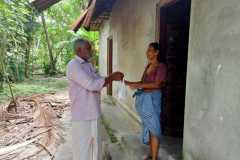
{"points": [[80, 43]]}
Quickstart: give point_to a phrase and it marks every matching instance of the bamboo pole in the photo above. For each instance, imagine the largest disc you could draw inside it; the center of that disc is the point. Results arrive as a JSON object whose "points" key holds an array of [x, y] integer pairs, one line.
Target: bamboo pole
{"points": [[2, 66]]}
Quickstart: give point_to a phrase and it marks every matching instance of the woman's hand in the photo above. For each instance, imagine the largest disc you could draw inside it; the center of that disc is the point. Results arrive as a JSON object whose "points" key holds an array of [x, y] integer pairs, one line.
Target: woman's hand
{"points": [[127, 82], [150, 85], [132, 85]]}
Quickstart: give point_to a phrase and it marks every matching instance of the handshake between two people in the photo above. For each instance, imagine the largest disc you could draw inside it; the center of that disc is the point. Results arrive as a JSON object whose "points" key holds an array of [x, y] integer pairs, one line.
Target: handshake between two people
{"points": [[118, 76]]}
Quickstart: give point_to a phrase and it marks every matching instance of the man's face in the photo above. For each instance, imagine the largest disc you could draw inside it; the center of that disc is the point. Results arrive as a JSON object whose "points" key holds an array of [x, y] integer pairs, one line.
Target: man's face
{"points": [[85, 52]]}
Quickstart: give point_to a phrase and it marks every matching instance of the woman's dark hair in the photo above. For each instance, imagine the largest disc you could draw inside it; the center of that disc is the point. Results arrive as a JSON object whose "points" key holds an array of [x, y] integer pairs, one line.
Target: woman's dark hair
{"points": [[157, 47]]}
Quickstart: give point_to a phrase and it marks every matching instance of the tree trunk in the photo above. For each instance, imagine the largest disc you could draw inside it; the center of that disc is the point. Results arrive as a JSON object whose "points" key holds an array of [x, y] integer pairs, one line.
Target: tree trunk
{"points": [[1, 82], [2, 67], [1, 73], [27, 56], [2, 49], [50, 52], [1, 70]]}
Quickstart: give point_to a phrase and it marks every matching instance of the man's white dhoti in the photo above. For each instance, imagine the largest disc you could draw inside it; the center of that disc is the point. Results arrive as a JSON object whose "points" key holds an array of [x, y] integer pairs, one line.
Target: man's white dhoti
{"points": [[86, 139]]}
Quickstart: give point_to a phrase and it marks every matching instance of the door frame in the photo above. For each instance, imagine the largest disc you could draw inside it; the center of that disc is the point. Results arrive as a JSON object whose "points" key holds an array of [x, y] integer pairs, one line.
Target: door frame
{"points": [[160, 34], [109, 63]]}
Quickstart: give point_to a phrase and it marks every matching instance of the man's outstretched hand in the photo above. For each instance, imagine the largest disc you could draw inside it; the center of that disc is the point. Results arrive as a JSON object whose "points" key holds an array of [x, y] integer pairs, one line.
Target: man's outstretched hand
{"points": [[117, 76]]}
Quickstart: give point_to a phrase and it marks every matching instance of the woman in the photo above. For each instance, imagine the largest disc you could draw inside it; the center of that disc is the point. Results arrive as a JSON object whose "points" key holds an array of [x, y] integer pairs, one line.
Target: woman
{"points": [[148, 98]]}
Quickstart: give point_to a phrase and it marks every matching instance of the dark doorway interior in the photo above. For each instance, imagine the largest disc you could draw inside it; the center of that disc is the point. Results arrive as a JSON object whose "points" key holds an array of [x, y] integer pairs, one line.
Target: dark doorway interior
{"points": [[109, 63], [174, 34]]}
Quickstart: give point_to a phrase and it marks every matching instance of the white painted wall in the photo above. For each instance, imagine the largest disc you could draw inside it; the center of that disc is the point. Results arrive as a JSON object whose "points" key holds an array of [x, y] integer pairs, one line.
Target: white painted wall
{"points": [[132, 26], [212, 116]]}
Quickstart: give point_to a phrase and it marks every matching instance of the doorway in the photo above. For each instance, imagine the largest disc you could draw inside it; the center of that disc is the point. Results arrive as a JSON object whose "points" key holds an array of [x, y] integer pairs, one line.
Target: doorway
{"points": [[109, 63], [173, 30]]}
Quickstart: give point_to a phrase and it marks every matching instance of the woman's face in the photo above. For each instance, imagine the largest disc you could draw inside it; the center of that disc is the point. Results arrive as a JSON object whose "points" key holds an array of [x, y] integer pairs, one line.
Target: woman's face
{"points": [[151, 54]]}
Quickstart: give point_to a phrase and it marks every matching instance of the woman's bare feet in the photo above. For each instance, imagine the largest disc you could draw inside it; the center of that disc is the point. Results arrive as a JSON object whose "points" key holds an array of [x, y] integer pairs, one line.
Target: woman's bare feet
{"points": [[147, 157]]}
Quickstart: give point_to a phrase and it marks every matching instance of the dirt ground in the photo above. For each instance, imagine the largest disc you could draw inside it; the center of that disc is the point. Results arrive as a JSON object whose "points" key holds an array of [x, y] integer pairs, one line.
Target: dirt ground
{"points": [[40, 130], [32, 128]]}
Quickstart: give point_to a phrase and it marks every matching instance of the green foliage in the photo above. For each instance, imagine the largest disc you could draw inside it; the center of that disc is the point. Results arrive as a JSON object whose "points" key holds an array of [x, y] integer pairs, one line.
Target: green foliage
{"points": [[59, 19], [23, 46], [15, 68], [17, 27]]}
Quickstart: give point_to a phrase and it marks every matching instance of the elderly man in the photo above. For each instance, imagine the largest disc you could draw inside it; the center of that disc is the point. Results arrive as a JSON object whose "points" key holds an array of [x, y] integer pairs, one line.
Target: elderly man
{"points": [[84, 93]]}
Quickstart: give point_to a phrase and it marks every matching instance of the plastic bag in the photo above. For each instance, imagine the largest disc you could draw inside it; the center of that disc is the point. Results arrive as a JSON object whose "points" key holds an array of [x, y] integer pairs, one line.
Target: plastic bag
{"points": [[122, 91]]}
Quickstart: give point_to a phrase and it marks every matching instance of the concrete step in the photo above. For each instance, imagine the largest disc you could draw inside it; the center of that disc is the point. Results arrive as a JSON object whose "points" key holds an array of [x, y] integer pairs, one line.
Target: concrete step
{"points": [[121, 137], [128, 130]]}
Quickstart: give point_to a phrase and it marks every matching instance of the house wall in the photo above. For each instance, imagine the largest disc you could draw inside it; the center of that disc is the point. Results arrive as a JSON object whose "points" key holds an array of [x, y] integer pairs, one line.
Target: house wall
{"points": [[212, 121], [212, 128], [132, 27]]}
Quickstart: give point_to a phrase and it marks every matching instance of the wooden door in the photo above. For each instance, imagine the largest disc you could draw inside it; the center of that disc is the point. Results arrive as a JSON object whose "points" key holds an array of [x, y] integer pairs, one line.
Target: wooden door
{"points": [[109, 63], [174, 33]]}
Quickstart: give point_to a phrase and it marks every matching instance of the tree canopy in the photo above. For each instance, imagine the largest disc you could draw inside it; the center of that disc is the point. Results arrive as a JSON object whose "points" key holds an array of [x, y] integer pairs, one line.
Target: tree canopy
{"points": [[38, 43]]}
